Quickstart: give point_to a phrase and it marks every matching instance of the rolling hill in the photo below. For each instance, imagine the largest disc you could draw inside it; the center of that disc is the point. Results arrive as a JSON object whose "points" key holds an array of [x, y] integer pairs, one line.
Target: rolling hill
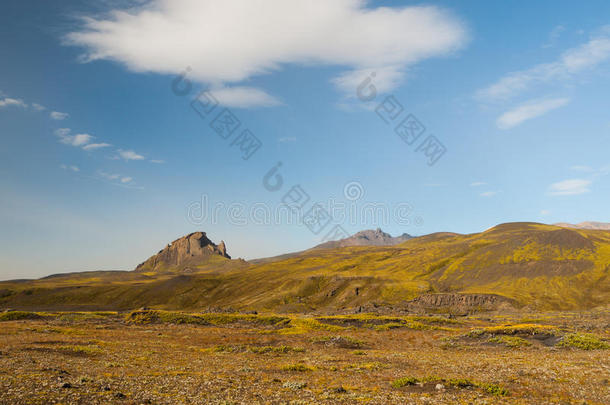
{"points": [[525, 264]]}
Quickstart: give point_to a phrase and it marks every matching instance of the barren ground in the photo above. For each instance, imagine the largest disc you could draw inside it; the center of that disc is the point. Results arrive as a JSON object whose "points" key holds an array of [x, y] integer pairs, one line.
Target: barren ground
{"points": [[171, 358]]}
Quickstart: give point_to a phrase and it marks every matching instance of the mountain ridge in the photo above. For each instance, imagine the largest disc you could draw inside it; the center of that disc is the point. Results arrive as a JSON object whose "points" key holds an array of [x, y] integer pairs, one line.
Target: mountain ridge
{"points": [[529, 264], [368, 237], [592, 225]]}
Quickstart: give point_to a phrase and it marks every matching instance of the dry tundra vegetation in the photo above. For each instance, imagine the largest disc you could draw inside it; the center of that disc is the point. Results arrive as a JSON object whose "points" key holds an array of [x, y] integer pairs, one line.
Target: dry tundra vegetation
{"points": [[169, 357], [518, 314]]}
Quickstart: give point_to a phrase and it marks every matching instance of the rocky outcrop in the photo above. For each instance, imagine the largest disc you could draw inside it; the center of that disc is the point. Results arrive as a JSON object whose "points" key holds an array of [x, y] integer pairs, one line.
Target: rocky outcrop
{"points": [[368, 237], [223, 249], [459, 303], [190, 250]]}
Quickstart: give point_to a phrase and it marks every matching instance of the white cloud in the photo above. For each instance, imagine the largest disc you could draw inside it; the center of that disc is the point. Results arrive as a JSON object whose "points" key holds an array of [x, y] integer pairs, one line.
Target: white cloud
{"points": [[73, 168], [244, 97], [582, 168], [554, 36], [595, 172], [477, 184], [545, 213], [230, 41], [38, 107], [12, 102], [489, 193], [571, 62], [93, 146], [529, 110], [157, 161], [118, 180], [75, 140], [108, 176], [59, 116], [285, 139], [384, 78], [61, 132], [79, 140], [570, 187], [129, 155]]}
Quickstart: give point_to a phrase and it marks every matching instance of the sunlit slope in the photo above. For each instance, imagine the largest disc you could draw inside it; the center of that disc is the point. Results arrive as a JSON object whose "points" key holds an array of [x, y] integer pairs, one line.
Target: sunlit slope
{"points": [[537, 265]]}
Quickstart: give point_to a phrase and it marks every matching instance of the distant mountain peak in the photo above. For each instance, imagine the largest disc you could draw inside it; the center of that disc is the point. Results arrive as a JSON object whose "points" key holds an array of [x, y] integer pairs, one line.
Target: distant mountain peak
{"points": [[368, 237], [190, 250], [586, 225]]}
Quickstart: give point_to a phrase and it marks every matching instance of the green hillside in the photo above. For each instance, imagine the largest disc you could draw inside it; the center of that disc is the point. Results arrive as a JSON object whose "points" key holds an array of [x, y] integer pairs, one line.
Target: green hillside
{"points": [[540, 266]]}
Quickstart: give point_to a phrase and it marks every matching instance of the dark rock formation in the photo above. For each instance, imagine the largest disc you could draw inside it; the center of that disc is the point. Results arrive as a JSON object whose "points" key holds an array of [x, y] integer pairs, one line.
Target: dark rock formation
{"points": [[459, 304], [190, 250]]}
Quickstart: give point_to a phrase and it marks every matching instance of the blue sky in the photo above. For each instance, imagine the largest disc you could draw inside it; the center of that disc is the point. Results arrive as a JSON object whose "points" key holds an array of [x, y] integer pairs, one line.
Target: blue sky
{"points": [[101, 162]]}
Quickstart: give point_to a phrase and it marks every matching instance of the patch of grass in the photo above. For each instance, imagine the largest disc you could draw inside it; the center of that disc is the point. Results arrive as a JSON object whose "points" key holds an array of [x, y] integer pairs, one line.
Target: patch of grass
{"points": [[298, 326], [494, 389], [225, 319], [510, 341], [90, 350], [435, 320], [388, 326], [364, 366], [294, 385], [404, 381], [79, 316], [415, 325], [296, 367], [431, 379], [584, 341], [225, 349], [344, 342], [18, 315], [359, 352], [275, 349], [518, 329], [459, 383], [144, 317], [253, 349]]}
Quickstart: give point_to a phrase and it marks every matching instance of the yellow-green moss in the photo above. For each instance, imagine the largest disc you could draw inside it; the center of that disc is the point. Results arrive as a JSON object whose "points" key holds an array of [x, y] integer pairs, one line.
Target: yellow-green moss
{"points": [[510, 341], [584, 341], [296, 367]]}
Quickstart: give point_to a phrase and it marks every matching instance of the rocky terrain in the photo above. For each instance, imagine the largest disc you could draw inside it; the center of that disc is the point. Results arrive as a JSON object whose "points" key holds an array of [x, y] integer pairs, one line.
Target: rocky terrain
{"points": [[161, 357]]}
